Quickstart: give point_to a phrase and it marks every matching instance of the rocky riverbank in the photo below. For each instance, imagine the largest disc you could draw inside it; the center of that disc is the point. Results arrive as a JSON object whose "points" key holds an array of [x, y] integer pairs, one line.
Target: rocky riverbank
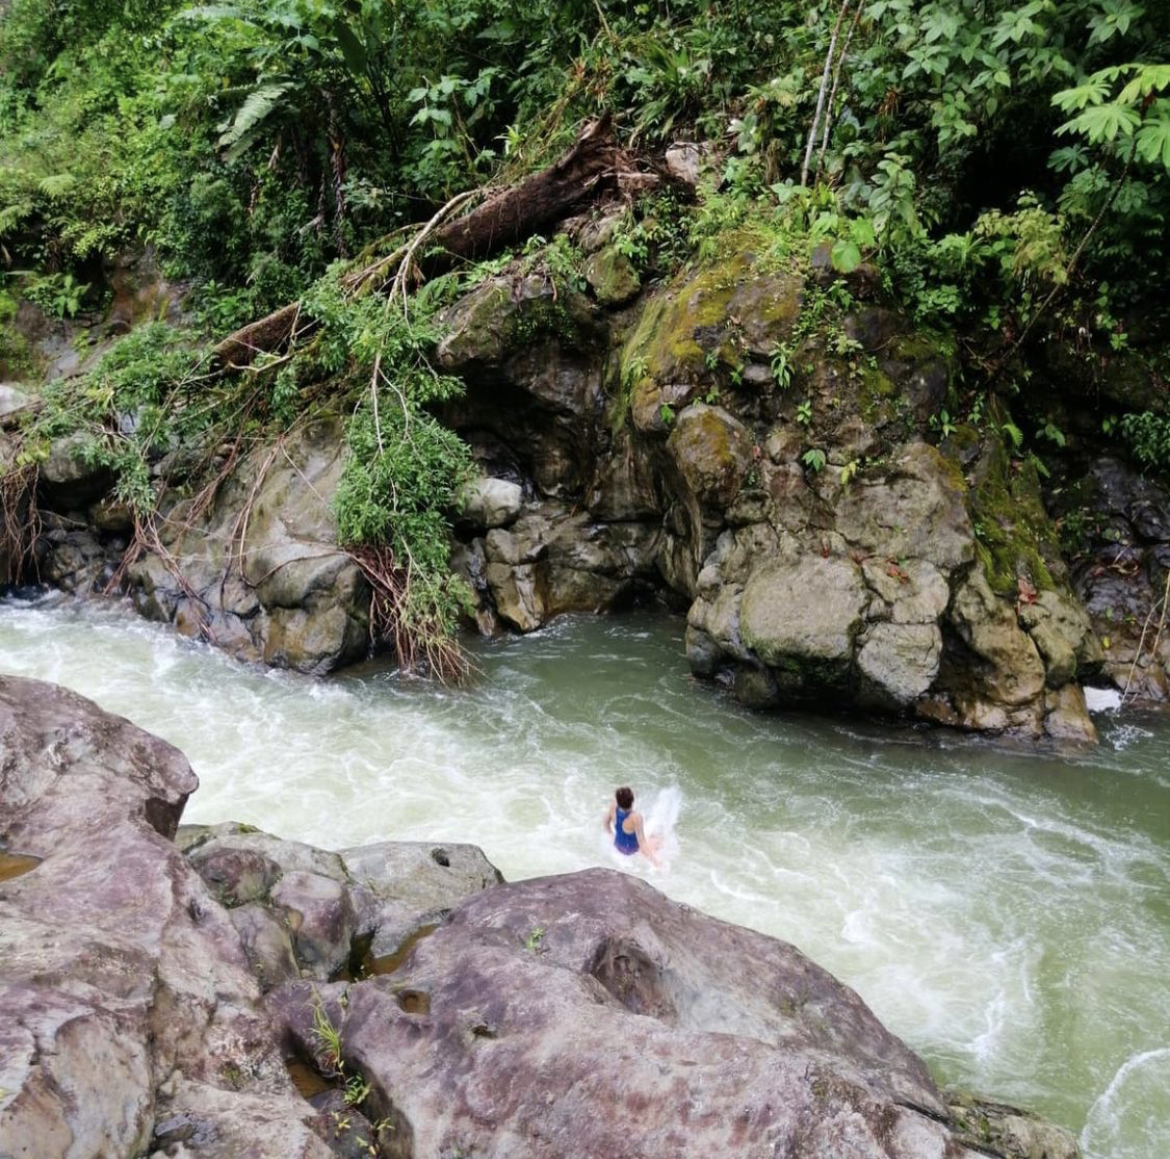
{"points": [[215, 991], [736, 444]]}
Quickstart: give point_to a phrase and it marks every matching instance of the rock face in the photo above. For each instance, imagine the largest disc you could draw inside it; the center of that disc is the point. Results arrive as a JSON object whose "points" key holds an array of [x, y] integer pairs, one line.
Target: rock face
{"points": [[256, 570], [130, 976], [589, 1015], [826, 545], [1121, 574], [736, 444]]}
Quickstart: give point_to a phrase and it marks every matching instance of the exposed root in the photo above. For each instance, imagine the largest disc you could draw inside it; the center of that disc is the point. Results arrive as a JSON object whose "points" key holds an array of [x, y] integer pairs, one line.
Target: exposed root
{"points": [[20, 522], [146, 538], [421, 643], [239, 533]]}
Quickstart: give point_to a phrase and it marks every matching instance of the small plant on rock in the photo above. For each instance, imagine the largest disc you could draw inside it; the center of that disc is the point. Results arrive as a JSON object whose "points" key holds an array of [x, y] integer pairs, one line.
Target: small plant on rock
{"points": [[814, 459]]}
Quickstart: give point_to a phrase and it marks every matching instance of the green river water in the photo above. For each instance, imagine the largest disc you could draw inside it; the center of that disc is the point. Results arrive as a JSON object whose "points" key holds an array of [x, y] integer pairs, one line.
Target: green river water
{"points": [[1007, 914]]}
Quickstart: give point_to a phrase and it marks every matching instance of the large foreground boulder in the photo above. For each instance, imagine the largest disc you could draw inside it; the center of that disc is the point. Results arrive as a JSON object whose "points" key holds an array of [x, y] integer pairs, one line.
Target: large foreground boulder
{"points": [[130, 1022], [589, 1015]]}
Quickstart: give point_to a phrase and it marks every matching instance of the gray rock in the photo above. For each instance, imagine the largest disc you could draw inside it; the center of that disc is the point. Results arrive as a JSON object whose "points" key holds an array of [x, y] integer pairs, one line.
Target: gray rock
{"points": [[612, 277], [409, 884], [13, 400], [804, 614], [1061, 631], [899, 661], [1067, 719], [623, 487], [688, 162], [489, 503], [71, 477], [916, 591], [518, 593], [713, 453], [916, 510], [263, 564]]}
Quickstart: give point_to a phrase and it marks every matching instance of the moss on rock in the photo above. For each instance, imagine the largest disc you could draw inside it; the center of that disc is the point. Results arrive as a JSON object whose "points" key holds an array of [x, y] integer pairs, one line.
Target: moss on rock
{"points": [[726, 313], [1014, 537]]}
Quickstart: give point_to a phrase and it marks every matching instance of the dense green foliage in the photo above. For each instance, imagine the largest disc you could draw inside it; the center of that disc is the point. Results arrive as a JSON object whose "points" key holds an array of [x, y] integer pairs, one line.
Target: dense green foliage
{"points": [[1004, 166], [254, 142]]}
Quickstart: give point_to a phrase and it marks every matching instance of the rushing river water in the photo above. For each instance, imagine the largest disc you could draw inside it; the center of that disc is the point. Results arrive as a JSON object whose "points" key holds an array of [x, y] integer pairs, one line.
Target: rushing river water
{"points": [[1006, 914]]}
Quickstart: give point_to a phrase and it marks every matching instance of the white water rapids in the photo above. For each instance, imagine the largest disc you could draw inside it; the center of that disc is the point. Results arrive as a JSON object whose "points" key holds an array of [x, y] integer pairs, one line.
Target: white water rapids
{"points": [[1006, 914]]}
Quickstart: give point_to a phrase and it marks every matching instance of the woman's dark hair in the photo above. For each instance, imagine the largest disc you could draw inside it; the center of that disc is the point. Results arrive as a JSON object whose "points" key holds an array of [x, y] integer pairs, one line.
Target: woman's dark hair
{"points": [[624, 797]]}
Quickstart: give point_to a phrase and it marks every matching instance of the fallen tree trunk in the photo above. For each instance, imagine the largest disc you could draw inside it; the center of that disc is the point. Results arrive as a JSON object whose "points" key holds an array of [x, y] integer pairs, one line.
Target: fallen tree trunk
{"points": [[587, 170], [239, 349]]}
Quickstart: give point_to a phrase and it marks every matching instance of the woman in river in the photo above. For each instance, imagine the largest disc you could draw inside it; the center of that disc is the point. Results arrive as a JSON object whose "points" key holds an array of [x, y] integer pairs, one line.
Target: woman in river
{"points": [[629, 833]]}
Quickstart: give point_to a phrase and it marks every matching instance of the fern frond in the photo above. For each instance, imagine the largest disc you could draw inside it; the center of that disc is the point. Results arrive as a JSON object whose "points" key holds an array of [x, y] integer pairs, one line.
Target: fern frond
{"points": [[56, 185], [258, 106], [14, 214]]}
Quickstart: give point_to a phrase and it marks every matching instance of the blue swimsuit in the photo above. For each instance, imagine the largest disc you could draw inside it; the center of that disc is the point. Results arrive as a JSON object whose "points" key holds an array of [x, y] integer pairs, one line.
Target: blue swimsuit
{"points": [[624, 842]]}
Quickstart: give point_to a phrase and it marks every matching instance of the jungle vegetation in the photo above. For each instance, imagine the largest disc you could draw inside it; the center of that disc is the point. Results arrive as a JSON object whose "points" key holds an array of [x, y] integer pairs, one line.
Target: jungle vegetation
{"points": [[1004, 164]]}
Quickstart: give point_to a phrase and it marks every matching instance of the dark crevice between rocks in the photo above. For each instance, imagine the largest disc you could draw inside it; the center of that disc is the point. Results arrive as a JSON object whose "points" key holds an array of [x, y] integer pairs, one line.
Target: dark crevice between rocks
{"points": [[628, 973], [363, 963]]}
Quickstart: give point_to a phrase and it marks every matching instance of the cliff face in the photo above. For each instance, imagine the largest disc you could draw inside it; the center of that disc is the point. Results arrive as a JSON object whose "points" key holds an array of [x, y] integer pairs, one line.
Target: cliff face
{"points": [[765, 446], [777, 462], [228, 993]]}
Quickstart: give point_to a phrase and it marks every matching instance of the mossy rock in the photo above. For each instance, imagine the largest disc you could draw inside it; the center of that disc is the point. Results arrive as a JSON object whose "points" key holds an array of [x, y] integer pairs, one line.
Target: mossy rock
{"points": [[713, 452], [612, 277], [1015, 538], [487, 325], [724, 314]]}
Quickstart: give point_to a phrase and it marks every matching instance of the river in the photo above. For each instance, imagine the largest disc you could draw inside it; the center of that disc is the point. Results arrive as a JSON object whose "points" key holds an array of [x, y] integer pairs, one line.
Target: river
{"points": [[1007, 914]]}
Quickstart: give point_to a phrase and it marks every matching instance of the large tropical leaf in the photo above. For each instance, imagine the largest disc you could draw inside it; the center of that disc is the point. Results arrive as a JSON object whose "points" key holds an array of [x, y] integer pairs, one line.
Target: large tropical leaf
{"points": [[1149, 78], [1103, 123], [258, 106], [1153, 138]]}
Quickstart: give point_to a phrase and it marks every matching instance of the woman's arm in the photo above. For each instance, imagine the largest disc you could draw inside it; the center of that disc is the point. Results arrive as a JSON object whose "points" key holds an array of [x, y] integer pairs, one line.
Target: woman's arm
{"points": [[610, 814]]}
